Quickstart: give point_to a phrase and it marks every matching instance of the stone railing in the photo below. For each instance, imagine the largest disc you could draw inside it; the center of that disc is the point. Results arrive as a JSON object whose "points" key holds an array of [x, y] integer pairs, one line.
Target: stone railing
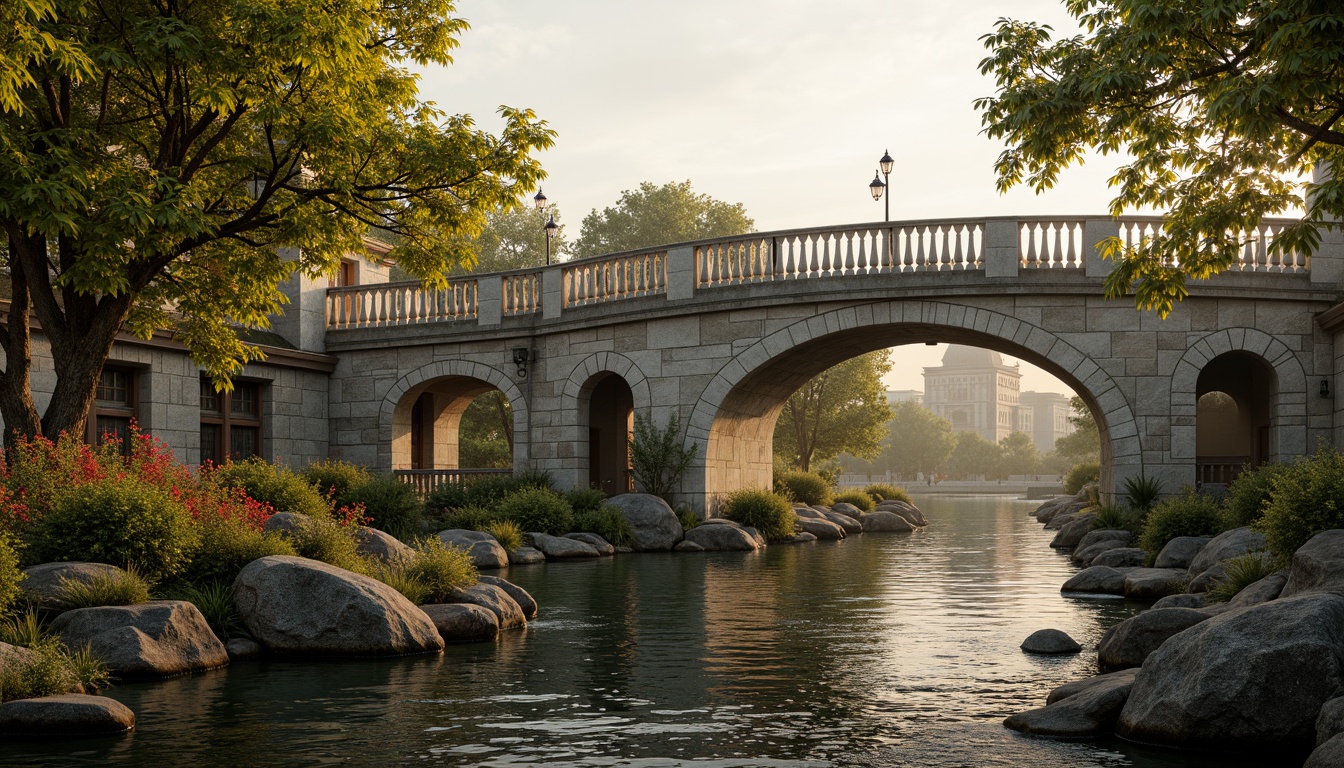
{"points": [[427, 481], [993, 248]]}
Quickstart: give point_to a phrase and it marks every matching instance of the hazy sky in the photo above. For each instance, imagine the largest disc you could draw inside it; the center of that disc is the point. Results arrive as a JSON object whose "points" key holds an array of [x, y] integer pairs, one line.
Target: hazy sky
{"points": [[784, 106]]}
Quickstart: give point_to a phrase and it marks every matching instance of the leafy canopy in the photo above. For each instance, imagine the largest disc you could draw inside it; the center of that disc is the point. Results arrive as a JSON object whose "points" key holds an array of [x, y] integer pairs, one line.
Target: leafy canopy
{"points": [[917, 440], [841, 410], [651, 215], [1221, 104]]}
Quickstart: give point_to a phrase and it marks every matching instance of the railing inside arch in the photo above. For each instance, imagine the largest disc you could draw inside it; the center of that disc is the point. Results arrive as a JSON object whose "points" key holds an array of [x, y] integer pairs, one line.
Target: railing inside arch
{"points": [[619, 277], [899, 247], [402, 303]]}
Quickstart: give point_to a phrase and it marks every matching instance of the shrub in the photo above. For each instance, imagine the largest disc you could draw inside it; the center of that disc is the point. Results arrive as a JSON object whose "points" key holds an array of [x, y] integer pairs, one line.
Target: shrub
{"points": [[533, 478], [538, 510], [1115, 517], [659, 456], [585, 499], [687, 517], [47, 672], [1080, 475], [440, 568], [857, 498], [447, 497], [506, 532], [807, 488], [410, 587], [280, 487], [116, 588], [1238, 573], [120, 522], [334, 478], [1190, 514], [24, 629], [227, 545], [606, 521], [215, 602], [88, 669], [767, 512], [886, 492], [1141, 493], [471, 518], [324, 539], [10, 576], [1250, 492], [1308, 497], [389, 504], [489, 491]]}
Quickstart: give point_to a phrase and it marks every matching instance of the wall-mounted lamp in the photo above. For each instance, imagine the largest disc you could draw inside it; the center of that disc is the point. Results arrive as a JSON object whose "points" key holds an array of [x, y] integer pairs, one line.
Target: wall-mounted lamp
{"points": [[521, 357], [1325, 387]]}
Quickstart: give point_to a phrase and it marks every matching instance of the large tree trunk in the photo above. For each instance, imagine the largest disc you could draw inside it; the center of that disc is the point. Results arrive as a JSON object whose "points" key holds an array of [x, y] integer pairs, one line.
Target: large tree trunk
{"points": [[16, 397]]}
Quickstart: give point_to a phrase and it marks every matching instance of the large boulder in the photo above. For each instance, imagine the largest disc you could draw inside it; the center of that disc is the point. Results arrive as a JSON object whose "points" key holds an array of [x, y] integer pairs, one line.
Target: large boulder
{"points": [[1128, 643], [1072, 533], [654, 527], [526, 556], [1125, 557], [1088, 713], [1328, 755], [1181, 551], [815, 514], [381, 546], [284, 522], [1269, 588], [717, 535], [1252, 678], [45, 583], [1154, 583], [603, 547], [486, 552], [522, 597], [1208, 578], [907, 511], [1225, 546], [1116, 538], [885, 522], [493, 599], [1050, 642], [843, 509], [1097, 580], [1058, 522], [1186, 600], [16, 655], [559, 547], [1318, 565], [69, 716], [1066, 690], [851, 525], [160, 638], [822, 529], [463, 622], [295, 606]]}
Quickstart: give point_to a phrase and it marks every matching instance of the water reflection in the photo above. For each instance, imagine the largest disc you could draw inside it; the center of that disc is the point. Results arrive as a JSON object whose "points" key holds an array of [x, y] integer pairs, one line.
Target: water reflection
{"points": [[879, 650]]}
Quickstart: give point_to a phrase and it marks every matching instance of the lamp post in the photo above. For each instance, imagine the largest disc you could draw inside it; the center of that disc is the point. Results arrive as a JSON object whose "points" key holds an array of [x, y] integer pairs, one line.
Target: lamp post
{"points": [[877, 187], [550, 227]]}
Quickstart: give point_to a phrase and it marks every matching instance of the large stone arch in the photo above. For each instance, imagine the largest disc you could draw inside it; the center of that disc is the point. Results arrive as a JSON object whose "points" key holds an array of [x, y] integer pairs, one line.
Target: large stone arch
{"points": [[574, 415], [1288, 411], [734, 416], [393, 421]]}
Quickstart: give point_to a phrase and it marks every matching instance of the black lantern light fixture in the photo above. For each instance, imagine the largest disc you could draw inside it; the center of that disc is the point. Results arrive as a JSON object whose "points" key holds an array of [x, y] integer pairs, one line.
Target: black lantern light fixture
{"points": [[877, 187], [521, 357], [551, 230], [1325, 388], [886, 164]]}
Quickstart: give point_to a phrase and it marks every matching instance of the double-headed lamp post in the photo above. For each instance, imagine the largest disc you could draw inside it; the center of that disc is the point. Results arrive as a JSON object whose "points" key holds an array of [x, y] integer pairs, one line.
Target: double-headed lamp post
{"points": [[550, 227], [878, 186]]}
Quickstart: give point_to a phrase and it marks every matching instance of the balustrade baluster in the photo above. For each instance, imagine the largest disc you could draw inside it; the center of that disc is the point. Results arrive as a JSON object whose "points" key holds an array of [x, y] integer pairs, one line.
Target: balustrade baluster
{"points": [[958, 255], [1029, 258]]}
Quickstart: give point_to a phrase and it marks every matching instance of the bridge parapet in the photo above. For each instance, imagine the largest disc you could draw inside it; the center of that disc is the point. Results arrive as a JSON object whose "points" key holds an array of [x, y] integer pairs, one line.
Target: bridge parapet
{"points": [[995, 247]]}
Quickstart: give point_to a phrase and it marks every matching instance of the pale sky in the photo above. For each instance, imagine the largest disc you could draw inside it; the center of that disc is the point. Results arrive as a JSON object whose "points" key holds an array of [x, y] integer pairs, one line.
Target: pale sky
{"points": [[784, 106]]}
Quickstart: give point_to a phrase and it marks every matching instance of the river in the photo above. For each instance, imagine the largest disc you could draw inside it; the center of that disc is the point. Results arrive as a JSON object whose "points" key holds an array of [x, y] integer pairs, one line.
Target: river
{"points": [[881, 650]]}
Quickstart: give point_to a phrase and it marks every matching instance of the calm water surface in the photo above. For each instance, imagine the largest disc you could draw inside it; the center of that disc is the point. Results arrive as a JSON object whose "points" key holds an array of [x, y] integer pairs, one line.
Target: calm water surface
{"points": [[882, 650]]}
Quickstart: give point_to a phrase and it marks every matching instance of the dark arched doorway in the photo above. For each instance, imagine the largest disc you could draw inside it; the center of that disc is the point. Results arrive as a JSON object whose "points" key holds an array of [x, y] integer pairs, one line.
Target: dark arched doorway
{"points": [[1235, 394], [610, 408]]}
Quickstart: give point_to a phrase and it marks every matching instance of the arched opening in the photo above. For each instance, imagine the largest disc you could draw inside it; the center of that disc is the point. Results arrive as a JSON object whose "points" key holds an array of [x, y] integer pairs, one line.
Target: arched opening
{"points": [[608, 408], [428, 428], [1235, 393]]}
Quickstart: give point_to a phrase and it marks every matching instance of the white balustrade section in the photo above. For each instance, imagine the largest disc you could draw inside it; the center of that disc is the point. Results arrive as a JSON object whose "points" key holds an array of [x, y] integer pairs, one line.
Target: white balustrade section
{"points": [[614, 278], [403, 303], [1254, 254], [1051, 243], [522, 293]]}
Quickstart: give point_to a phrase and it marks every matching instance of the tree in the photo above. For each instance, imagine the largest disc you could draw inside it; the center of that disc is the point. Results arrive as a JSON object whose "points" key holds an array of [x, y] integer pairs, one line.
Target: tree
{"points": [[1084, 442], [917, 441], [974, 455], [842, 410], [651, 215], [1018, 455], [513, 238], [659, 456], [1219, 103], [485, 433], [160, 157]]}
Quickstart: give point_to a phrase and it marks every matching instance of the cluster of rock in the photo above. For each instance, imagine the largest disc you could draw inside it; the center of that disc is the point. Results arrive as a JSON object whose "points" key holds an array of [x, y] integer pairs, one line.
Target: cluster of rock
{"points": [[1262, 672]]}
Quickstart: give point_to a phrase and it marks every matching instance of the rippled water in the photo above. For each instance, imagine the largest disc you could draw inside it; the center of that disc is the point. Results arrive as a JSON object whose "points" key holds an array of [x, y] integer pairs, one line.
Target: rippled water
{"points": [[882, 650]]}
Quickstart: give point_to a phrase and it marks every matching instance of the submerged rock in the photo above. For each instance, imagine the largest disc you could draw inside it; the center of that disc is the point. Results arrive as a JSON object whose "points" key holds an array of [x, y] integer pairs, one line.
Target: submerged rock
{"points": [[1050, 642], [1090, 712], [1078, 686]]}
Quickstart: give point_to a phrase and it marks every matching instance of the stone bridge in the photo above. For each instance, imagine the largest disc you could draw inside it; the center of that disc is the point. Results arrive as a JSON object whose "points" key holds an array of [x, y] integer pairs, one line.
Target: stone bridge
{"points": [[721, 332]]}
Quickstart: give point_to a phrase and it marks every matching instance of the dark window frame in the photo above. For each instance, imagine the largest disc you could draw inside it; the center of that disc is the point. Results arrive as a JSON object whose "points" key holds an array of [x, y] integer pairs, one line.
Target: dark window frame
{"points": [[123, 410], [224, 415]]}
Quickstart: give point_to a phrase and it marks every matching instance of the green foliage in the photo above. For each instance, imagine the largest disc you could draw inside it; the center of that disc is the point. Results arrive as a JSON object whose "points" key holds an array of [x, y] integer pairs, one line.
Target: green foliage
{"points": [[513, 239], [470, 518], [389, 504], [215, 602], [650, 216], [1116, 518], [806, 488], [447, 497], [974, 455], [119, 522], [1307, 498], [767, 512], [1238, 573], [1190, 514], [538, 510], [88, 669], [324, 539], [533, 478], [1083, 444], [585, 499], [606, 521], [410, 587], [858, 498], [506, 532], [228, 545], [23, 629], [1250, 492], [485, 434], [840, 410], [1018, 455], [659, 456], [489, 491], [1220, 106], [279, 486], [47, 672], [885, 492], [1081, 475], [440, 568], [116, 588], [687, 517], [1141, 493], [334, 478], [290, 128], [917, 441], [10, 576]]}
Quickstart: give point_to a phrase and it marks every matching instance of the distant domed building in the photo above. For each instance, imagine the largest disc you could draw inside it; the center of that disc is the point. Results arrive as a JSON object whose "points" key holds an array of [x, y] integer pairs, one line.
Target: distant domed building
{"points": [[977, 392]]}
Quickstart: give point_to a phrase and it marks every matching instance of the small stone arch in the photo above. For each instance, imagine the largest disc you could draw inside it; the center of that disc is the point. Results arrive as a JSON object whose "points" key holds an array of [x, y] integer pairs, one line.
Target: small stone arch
{"points": [[1288, 409], [426, 375], [575, 414], [912, 322]]}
